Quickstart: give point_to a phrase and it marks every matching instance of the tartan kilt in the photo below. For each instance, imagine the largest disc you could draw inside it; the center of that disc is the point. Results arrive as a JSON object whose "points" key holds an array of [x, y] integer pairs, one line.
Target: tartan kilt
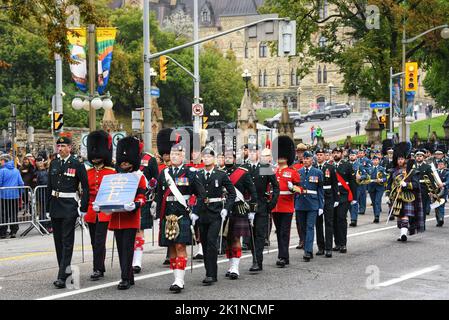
{"points": [[238, 227], [146, 220], [184, 237]]}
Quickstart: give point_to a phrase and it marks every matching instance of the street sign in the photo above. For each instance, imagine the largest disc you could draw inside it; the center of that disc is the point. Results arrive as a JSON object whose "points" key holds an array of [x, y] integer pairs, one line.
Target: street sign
{"points": [[198, 109], [116, 136], [379, 105], [155, 92]]}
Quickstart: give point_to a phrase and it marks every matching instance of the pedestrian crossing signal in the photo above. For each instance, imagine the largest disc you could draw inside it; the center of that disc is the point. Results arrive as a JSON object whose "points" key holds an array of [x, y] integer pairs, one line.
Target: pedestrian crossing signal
{"points": [[163, 62], [57, 121], [411, 76]]}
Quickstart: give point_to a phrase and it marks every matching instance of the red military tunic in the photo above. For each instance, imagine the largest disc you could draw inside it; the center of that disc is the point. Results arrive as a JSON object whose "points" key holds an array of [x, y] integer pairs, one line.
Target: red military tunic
{"points": [[94, 177], [131, 219], [286, 200]]}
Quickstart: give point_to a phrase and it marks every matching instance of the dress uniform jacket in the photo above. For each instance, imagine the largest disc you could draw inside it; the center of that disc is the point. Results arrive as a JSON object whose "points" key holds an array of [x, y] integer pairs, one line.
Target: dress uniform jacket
{"points": [[422, 170], [66, 178], [149, 167], [312, 196], [346, 175], [286, 200], [330, 183], [375, 186], [266, 185], [245, 185], [95, 176], [127, 219]]}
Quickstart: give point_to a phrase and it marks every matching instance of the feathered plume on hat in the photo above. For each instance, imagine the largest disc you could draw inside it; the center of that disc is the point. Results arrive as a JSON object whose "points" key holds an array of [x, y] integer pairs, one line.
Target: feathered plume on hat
{"points": [[285, 149], [99, 146]]}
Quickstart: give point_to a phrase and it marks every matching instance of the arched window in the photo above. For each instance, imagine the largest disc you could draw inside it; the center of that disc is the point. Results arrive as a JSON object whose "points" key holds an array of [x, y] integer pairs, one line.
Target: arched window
{"points": [[293, 78], [263, 50], [319, 74], [265, 78], [205, 15], [324, 74], [278, 78], [322, 42], [246, 50], [260, 79]]}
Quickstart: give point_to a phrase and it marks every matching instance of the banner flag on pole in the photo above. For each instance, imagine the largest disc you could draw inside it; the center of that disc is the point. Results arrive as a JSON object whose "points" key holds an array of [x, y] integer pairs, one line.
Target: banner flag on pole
{"points": [[77, 45], [105, 45]]}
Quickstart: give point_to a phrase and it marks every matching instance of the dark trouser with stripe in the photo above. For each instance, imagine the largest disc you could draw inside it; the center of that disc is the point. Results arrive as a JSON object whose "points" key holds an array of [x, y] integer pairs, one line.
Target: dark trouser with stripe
{"points": [[260, 233], [340, 223], [209, 233], [125, 246], [283, 223], [98, 233], [64, 238], [324, 237]]}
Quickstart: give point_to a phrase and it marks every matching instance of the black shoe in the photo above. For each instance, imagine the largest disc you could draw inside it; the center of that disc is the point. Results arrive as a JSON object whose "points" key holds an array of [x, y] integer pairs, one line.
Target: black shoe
{"points": [[402, 238], [343, 249], [12, 235], [175, 288], [166, 262], [96, 275], [245, 247], [198, 256], [328, 254], [124, 285], [391, 218], [233, 276], [336, 248], [59, 284], [137, 269], [320, 252], [267, 243], [300, 245], [307, 256], [376, 220], [353, 223], [255, 268], [227, 274], [3, 236], [209, 280], [440, 223], [281, 263], [362, 213]]}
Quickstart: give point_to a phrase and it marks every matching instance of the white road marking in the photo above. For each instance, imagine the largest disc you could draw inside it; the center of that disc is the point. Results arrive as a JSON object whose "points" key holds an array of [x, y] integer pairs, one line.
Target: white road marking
{"points": [[162, 273], [409, 276]]}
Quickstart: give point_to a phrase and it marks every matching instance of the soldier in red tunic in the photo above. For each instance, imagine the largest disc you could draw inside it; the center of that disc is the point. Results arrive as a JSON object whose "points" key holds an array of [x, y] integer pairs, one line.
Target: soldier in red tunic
{"points": [[99, 153], [125, 224]]}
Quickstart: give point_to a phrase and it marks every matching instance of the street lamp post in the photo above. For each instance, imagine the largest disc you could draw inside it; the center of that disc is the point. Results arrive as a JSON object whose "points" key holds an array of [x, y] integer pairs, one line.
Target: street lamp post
{"points": [[331, 86], [27, 100], [246, 75], [298, 99]]}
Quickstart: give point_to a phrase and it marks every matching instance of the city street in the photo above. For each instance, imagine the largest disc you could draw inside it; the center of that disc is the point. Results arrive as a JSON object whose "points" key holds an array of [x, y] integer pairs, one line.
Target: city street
{"points": [[375, 267]]}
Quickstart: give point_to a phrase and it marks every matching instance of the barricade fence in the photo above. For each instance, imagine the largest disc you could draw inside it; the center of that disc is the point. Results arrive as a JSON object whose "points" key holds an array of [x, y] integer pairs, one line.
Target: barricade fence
{"points": [[23, 206]]}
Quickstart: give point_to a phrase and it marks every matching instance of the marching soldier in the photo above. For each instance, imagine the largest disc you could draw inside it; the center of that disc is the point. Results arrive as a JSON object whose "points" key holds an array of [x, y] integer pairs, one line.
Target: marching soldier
{"points": [[66, 175], [297, 165], [267, 189], [175, 186], [365, 169], [309, 201], [354, 208], [444, 176], [99, 153], [287, 177], [215, 182], [424, 171], [331, 197], [242, 214], [126, 223], [346, 188], [376, 188]]}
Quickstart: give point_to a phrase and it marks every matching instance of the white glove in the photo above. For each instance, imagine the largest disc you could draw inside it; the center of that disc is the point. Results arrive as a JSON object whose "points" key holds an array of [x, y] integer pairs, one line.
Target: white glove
{"points": [[354, 202], [130, 206], [224, 214], [290, 185], [320, 212], [403, 184], [95, 207], [81, 214], [336, 203], [194, 217], [47, 214], [153, 209], [251, 217]]}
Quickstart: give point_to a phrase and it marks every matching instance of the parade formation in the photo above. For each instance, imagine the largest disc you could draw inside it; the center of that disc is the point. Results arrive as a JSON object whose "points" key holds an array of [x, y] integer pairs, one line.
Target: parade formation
{"points": [[219, 204]]}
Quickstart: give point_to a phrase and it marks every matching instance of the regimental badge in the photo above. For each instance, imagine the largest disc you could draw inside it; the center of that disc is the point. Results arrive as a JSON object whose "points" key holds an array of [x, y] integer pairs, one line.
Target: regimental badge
{"points": [[287, 174], [327, 173], [313, 179]]}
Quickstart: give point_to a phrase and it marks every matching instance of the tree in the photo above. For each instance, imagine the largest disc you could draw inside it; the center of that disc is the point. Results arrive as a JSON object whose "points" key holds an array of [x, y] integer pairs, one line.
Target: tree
{"points": [[180, 24]]}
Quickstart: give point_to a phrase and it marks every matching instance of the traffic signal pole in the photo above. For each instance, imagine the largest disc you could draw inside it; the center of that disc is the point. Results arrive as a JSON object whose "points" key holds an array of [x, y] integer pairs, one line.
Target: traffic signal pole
{"points": [[147, 143], [196, 71]]}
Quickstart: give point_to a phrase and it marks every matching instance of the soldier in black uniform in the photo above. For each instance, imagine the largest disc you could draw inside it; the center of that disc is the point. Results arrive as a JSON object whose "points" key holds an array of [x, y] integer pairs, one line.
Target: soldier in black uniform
{"points": [[331, 198], [215, 182], [66, 174], [423, 169], [267, 189], [347, 189]]}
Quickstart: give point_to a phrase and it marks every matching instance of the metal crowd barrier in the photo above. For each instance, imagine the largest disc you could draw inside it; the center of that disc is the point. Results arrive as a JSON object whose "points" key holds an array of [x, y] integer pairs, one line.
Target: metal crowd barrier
{"points": [[23, 205]]}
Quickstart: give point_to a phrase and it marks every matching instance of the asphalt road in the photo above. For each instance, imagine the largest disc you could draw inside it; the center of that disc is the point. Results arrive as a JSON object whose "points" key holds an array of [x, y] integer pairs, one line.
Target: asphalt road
{"points": [[375, 267]]}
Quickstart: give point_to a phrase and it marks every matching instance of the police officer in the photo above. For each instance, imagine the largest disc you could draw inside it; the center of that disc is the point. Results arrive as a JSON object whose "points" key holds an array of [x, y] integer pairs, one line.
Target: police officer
{"points": [[376, 187], [331, 197], [346, 188], [309, 201], [66, 174], [214, 181], [267, 189]]}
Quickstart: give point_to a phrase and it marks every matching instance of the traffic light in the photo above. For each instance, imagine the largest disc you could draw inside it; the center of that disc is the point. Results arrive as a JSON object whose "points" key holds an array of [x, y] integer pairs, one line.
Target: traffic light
{"points": [[383, 119], [411, 76], [57, 121], [205, 124], [163, 62]]}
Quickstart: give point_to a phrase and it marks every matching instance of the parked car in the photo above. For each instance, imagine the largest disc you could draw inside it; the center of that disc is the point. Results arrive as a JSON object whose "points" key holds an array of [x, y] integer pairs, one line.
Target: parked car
{"points": [[274, 121], [317, 115], [339, 110]]}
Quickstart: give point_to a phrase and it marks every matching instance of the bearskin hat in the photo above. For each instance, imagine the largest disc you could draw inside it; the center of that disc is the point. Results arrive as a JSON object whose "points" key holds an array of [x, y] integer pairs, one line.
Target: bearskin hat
{"points": [[386, 144], [285, 149], [164, 143], [401, 150], [128, 150], [99, 146]]}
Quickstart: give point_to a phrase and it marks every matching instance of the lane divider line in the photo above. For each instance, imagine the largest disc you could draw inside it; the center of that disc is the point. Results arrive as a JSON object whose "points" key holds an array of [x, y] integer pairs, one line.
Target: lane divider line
{"points": [[409, 276]]}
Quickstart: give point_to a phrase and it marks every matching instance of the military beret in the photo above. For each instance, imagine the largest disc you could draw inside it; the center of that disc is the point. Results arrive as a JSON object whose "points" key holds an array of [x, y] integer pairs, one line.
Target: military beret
{"points": [[208, 150], [308, 154], [440, 161], [253, 147], [338, 149], [64, 140], [320, 150], [353, 152], [376, 157]]}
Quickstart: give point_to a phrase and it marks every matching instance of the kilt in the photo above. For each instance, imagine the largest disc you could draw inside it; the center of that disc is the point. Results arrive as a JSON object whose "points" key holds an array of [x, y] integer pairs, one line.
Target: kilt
{"points": [[238, 227], [184, 237], [146, 220]]}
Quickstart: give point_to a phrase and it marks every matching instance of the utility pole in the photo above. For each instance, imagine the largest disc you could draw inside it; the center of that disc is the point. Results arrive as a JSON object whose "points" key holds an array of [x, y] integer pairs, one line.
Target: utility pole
{"points": [[146, 78], [196, 70], [92, 76]]}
